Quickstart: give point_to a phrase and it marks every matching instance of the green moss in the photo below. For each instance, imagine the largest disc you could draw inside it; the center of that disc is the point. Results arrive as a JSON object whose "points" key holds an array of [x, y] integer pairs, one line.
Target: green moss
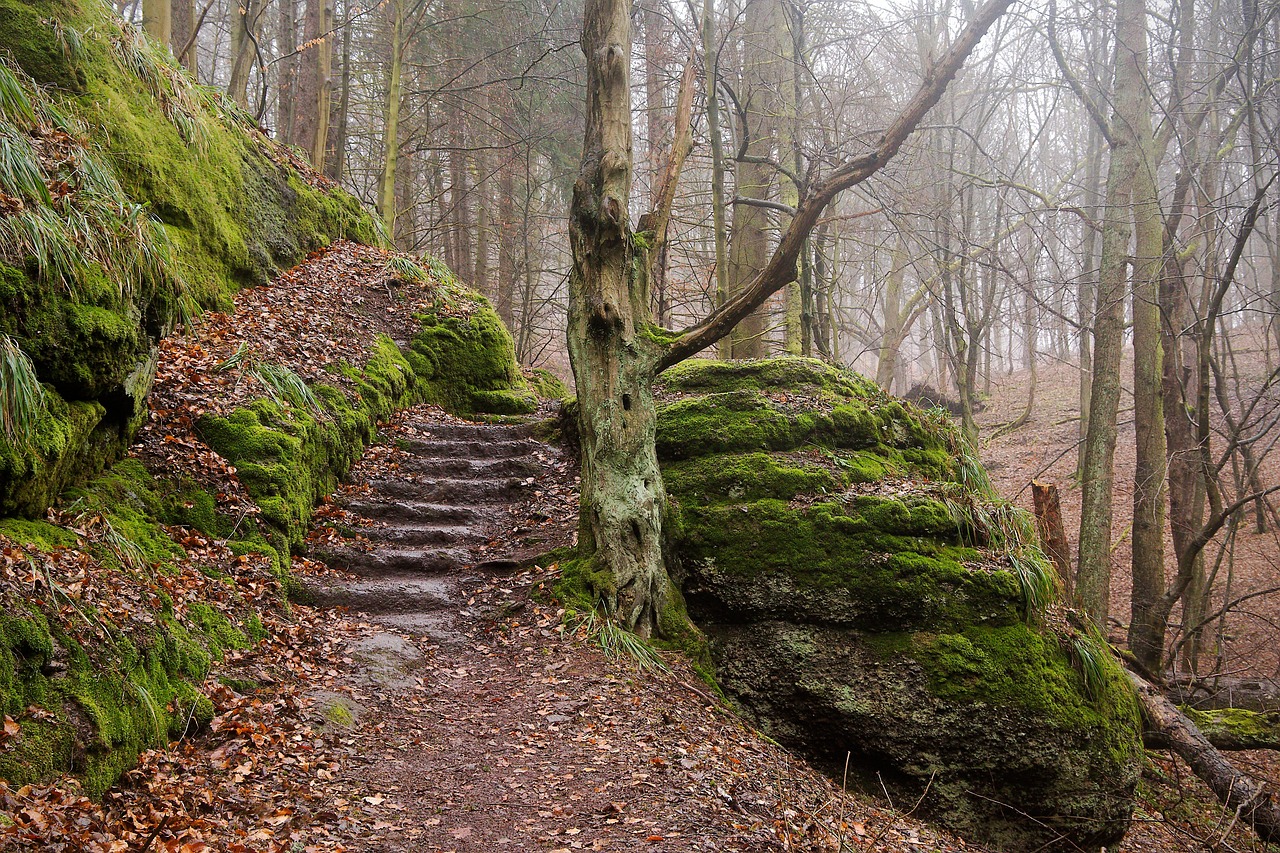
{"points": [[1241, 728], [218, 631], [547, 385], [70, 441], [1023, 666], [39, 534], [467, 364], [911, 574], [745, 477], [583, 582]]}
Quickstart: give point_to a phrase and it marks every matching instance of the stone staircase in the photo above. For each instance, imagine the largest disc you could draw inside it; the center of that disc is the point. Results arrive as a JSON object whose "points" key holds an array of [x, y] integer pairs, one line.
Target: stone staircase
{"points": [[437, 513]]}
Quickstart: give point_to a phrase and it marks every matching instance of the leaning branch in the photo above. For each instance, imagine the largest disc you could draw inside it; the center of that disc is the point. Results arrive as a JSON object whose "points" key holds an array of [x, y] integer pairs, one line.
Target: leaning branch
{"points": [[1235, 790], [781, 268]]}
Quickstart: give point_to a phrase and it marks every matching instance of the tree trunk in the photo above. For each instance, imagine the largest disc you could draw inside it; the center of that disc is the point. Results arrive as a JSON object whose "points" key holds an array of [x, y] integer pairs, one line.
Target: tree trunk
{"points": [[1097, 470], [508, 243], [1053, 537], [754, 176], [287, 87], [337, 159], [623, 498], [391, 131], [1149, 612], [243, 23], [711, 66], [157, 20], [183, 18], [324, 93]]}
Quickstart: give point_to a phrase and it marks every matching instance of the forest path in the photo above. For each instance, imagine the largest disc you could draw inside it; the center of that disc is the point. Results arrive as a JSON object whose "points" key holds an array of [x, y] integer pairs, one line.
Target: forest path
{"points": [[474, 719], [442, 505]]}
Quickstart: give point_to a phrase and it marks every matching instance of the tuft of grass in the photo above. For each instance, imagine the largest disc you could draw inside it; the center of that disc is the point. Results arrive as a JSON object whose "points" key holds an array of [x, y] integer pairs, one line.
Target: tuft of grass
{"points": [[20, 173], [236, 359], [1089, 656], [617, 642], [283, 385], [21, 394], [402, 268], [15, 105]]}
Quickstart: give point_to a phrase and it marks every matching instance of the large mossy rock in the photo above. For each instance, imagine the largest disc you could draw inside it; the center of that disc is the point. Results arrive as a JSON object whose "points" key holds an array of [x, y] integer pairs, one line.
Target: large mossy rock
{"points": [[193, 201], [864, 593]]}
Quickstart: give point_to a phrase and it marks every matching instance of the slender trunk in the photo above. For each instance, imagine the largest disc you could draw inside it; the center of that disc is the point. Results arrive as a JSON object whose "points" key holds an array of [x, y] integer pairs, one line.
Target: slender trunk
{"points": [[391, 132], [893, 328], [287, 87], [243, 24], [1097, 470], [711, 65], [507, 242], [324, 95], [183, 18], [337, 160], [749, 242]]}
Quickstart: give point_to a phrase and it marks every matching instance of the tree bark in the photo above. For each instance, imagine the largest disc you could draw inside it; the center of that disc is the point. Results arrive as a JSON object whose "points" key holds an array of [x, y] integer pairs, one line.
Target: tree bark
{"points": [[754, 176], [1097, 470], [1053, 536], [710, 61], [623, 499], [183, 22], [243, 23], [157, 20], [391, 128], [1148, 614]]}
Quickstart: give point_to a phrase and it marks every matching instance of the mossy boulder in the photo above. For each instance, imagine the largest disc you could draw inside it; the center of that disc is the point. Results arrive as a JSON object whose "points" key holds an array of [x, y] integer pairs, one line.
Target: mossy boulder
{"points": [[865, 594], [219, 206]]}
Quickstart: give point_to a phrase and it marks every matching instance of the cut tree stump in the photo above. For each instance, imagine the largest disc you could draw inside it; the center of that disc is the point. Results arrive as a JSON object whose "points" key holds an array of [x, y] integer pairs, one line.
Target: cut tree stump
{"points": [[1235, 790], [1053, 536]]}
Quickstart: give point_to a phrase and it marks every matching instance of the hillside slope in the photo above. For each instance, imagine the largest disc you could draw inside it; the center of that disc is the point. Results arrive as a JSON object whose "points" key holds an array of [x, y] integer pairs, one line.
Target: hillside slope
{"points": [[129, 199]]}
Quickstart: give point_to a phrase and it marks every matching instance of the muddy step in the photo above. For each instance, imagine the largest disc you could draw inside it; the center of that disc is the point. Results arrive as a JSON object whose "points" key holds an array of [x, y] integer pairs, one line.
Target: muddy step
{"points": [[493, 448], [424, 534], [478, 432], [413, 511], [464, 467], [396, 560], [400, 594], [446, 490]]}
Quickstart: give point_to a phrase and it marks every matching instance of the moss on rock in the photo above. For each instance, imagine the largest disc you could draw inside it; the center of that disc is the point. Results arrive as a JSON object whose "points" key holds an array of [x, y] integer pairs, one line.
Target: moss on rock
{"points": [[467, 363], [827, 542], [230, 213]]}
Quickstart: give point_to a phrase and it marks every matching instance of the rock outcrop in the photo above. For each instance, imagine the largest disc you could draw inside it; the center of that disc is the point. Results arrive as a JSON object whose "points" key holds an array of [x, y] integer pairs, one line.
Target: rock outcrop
{"points": [[865, 594]]}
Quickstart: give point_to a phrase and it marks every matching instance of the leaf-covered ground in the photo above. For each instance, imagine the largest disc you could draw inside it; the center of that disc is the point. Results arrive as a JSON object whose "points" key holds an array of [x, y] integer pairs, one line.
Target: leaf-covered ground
{"points": [[514, 732]]}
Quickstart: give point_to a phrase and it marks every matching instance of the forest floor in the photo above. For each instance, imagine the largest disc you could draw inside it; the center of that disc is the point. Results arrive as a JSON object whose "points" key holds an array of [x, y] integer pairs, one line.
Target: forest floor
{"points": [[490, 725]]}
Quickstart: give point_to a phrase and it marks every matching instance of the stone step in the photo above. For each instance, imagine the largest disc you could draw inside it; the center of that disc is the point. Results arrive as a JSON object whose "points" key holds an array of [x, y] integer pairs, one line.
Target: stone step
{"points": [[464, 467], [409, 512], [399, 594], [424, 534], [450, 490], [396, 560], [478, 432], [490, 448]]}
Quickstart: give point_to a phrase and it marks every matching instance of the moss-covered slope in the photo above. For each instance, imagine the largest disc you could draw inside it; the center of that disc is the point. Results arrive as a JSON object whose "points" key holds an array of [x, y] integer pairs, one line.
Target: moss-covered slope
{"points": [[865, 593], [129, 196]]}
